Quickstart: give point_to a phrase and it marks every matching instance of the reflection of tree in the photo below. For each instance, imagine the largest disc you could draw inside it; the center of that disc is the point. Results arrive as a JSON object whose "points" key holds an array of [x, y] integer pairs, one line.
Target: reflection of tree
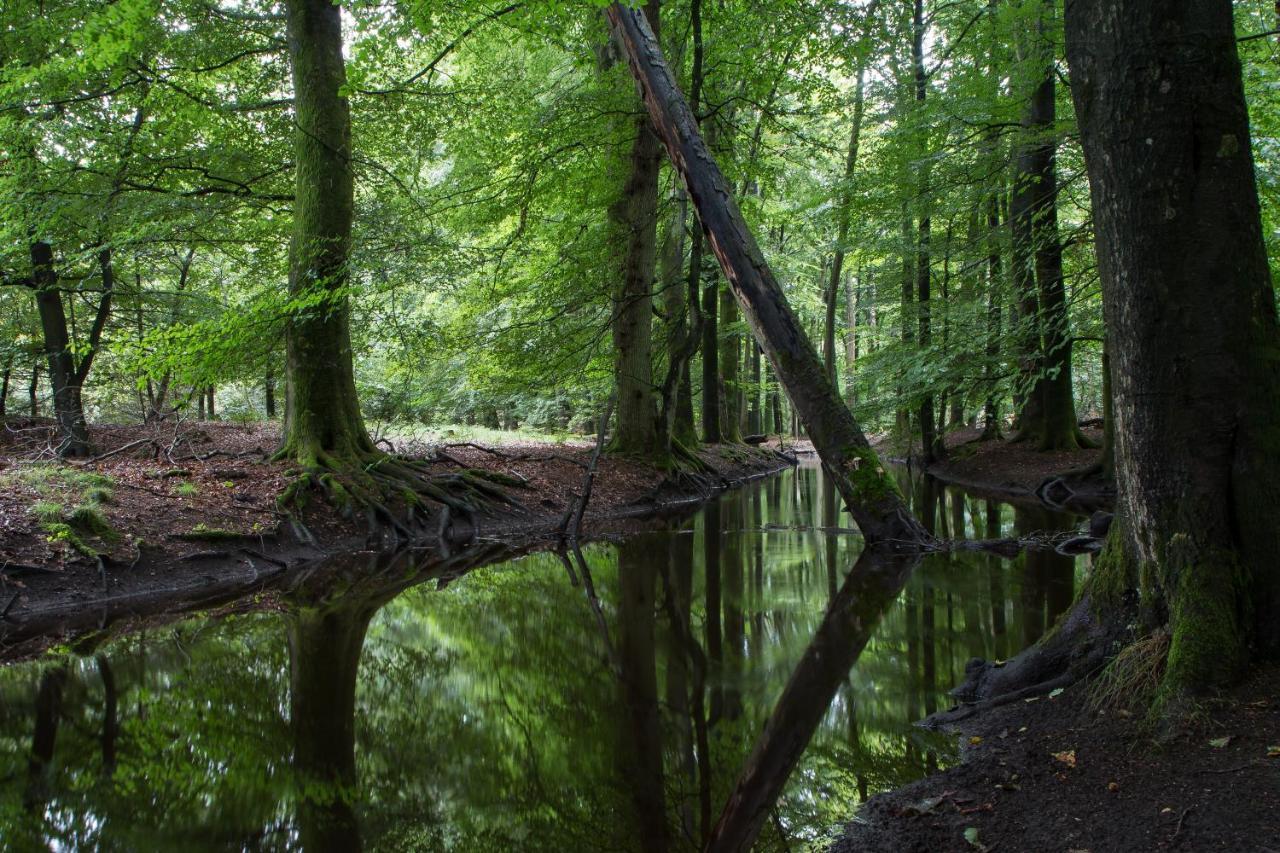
{"points": [[48, 713], [995, 573], [1048, 578], [640, 559], [324, 659], [870, 589]]}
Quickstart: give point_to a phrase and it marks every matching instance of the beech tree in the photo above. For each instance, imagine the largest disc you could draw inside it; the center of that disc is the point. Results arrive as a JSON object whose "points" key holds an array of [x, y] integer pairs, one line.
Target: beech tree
{"points": [[1193, 339]]}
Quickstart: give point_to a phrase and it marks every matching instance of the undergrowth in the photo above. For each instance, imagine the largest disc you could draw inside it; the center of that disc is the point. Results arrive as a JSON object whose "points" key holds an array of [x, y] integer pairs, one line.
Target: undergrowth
{"points": [[70, 505]]}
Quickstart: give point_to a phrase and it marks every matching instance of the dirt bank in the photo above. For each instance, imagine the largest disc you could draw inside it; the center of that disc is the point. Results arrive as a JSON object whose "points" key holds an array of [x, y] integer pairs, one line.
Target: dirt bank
{"points": [[1009, 470], [1056, 774], [187, 516]]}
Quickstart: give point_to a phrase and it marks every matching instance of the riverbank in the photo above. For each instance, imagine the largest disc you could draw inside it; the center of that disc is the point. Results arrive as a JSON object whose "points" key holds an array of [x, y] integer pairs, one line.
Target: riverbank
{"points": [[1009, 470], [187, 515], [1057, 773]]}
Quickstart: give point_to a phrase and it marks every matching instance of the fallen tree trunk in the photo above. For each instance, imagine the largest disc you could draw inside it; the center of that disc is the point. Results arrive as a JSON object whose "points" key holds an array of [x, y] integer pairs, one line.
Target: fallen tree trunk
{"points": [[869, 493]]}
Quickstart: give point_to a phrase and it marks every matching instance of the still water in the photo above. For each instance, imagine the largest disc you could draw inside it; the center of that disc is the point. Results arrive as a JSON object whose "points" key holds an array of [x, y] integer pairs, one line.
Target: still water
{"points": [[607, 700]]}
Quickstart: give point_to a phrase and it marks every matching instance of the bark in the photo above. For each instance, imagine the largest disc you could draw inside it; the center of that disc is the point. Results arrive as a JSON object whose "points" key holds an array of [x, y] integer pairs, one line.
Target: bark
{"points": [[684, 319], [269, 394], [853, 316], [730, 392], [633, 221], [4, 386], [995, 282], [930, 444], [867, 490], [842, 238], [73, 431], [754, 421], [1191, 324], [322, 411], [33, 390], [710, 350], [1049, 416]]}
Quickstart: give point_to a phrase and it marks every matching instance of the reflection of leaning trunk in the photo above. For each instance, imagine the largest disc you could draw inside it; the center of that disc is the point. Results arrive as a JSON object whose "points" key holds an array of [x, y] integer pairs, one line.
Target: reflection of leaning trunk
{"points": [[870, 589]]}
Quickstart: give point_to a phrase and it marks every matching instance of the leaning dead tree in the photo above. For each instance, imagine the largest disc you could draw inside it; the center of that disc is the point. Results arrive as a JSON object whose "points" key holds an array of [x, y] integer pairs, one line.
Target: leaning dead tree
{"points": [[869, 493]]}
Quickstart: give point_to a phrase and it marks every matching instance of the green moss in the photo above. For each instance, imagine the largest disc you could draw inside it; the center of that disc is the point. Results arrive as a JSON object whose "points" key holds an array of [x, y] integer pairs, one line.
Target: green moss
{"points": [[1208, 647], [88, 519], [497, 477], [1113, 575], [61, 533], [870, 480], [204, 533]]}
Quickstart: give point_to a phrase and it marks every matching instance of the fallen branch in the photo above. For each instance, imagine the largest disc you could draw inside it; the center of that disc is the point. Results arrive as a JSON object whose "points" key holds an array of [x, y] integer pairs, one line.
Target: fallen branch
{"points": [[118, 450], [571, 524]]}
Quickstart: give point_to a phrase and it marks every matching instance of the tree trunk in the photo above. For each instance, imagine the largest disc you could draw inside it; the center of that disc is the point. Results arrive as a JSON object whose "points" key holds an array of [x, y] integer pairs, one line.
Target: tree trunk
{"points": [[322, 411], [33, 390], [1191, 327], [995, 282], [73, 431], [633, 220], [930, 444], [842, 236], [868, 491], [4, 386], [269, 394], [730, 393], [1049, 415]]}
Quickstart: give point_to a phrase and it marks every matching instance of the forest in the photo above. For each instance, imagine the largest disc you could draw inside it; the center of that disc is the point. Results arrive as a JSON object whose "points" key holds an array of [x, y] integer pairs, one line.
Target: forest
{"points": [[987, 284]]}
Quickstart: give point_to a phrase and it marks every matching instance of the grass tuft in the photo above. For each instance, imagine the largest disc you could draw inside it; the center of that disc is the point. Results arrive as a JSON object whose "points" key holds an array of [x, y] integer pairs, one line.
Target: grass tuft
{"points": [[1131, 681]]}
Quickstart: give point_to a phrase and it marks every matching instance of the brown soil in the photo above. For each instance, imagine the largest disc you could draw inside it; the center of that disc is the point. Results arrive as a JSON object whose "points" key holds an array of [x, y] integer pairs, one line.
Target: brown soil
{"points": [[193, 509], [1013, 470], [1055, 775]]}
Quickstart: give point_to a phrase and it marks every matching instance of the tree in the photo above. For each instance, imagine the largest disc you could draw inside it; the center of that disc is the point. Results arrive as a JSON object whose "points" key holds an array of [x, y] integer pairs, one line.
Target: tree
{"points": [[1193, 338], [1048, 414], [866, 488], [322, 411], [633, 221]]}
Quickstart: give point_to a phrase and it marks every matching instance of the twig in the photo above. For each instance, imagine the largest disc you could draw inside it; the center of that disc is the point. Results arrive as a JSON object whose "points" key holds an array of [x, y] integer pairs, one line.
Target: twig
{"points": [[1235, 769], [1181, 818], [4, 614], [479, 447], [111, 453], [578, 507]]}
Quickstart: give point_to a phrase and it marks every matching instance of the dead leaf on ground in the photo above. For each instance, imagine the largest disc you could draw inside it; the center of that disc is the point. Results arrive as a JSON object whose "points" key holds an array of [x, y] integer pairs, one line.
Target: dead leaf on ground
{"points": [[1068, 757], [1220, 742]]}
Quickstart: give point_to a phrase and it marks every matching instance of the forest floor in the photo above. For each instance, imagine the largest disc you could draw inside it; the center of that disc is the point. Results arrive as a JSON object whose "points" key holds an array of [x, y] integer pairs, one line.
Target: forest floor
{"points": [[170, 513], [1010, 470], [1057, 774]]}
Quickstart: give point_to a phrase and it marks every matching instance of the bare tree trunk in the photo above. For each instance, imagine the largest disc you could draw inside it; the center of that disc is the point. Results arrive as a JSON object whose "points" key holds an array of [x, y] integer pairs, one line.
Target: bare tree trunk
{"points": [[1048, 417], [73, 431], [868, 491], [633, 219], [1196, 384]]}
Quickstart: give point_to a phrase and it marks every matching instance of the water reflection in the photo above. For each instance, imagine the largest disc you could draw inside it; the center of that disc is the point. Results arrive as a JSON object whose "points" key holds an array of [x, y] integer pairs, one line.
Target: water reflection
{"points": [[739, 676]]}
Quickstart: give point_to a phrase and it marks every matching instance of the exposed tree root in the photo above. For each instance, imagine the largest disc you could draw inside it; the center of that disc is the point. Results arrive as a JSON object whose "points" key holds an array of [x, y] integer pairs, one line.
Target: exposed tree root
{"points": [[1076, 648], [393, 495]]}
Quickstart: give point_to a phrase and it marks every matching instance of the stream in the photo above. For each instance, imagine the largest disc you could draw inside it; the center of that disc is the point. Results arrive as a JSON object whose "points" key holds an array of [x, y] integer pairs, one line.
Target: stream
{"points": [[613, 699]]}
